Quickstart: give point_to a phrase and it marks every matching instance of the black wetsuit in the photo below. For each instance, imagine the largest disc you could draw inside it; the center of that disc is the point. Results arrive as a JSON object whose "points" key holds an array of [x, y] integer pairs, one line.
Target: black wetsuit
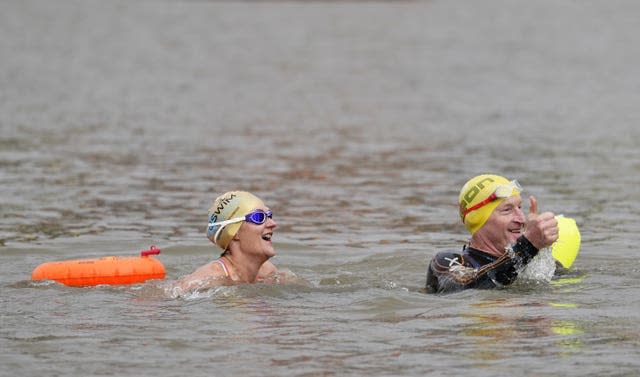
{"points": [[450, 271]]}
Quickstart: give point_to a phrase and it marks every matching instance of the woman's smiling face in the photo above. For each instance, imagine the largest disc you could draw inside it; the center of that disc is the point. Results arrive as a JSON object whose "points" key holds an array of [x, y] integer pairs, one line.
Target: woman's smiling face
{"points": [[256, 238]]}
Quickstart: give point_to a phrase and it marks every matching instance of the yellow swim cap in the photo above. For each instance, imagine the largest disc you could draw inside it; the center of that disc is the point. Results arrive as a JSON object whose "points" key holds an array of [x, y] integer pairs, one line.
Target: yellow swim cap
{"points": [[230, 205], [481, 195]]}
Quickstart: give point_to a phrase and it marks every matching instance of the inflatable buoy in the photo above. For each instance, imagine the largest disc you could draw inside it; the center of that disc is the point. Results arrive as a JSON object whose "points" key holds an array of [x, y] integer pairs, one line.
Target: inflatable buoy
{"points": [[565, 249], [106, 270]]}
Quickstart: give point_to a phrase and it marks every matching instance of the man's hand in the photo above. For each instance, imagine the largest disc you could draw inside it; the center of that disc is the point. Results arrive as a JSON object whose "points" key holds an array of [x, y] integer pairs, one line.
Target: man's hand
{"points": [[541, 229]]}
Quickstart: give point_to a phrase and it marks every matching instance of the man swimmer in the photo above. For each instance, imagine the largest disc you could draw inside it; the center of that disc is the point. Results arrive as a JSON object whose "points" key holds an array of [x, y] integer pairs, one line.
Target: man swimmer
{"points": [[242, 226], [502, 242]]}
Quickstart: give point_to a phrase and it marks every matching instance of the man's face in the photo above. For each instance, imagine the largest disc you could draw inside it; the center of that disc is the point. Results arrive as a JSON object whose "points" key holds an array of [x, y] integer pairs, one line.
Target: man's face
{"points": [[504, 226]]}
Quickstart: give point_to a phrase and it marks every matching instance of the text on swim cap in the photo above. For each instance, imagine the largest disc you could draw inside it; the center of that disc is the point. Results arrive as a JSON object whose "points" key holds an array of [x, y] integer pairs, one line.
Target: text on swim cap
{"points": [[223, 203], [473, 192]]}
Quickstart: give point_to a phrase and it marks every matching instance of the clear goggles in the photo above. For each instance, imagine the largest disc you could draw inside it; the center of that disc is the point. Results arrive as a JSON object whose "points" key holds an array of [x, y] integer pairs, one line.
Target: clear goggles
{"points": [[256, 217], [501, 192]]}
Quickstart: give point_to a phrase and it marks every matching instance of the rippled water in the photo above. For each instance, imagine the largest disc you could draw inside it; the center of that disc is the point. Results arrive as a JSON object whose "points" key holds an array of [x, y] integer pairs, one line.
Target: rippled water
{"points": [[357, 123]]}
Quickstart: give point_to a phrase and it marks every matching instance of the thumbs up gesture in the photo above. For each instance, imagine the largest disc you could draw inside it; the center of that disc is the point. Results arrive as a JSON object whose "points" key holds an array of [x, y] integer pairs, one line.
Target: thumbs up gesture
{"points": [[541, 229]]}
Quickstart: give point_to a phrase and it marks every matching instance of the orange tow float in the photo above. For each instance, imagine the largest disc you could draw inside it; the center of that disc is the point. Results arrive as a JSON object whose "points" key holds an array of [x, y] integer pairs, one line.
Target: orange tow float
{"points": [[106, 270]]}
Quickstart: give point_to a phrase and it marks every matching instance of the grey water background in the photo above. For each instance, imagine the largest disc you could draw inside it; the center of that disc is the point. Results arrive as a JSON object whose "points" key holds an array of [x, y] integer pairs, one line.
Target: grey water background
{"points": [[357, 123]]}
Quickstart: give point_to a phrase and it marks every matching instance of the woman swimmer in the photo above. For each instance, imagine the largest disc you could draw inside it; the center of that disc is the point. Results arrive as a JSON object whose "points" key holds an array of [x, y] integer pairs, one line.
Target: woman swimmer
{"points": [[242, 226]]}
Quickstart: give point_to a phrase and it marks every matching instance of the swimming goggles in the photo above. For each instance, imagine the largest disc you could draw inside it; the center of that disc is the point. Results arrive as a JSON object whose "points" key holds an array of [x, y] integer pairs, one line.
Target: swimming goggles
{"points": [[501, 192], [256, 217]]}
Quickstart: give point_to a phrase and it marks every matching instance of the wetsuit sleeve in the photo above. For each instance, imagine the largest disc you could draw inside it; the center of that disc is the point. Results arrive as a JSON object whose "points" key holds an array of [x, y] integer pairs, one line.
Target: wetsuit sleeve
{"points": [[450, 272]]}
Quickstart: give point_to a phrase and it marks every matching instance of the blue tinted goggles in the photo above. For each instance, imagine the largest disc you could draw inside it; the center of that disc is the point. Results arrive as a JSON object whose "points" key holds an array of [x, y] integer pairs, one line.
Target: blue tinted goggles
{"points": [[256, 217]]}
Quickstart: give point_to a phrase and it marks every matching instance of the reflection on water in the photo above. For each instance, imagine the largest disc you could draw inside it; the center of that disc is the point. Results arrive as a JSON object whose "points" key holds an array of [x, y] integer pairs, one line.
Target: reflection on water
{"points": [[495, 334]]}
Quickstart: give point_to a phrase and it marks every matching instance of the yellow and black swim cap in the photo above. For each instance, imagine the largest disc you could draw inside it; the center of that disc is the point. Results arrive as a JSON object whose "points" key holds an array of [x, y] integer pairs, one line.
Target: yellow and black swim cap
{"points": [[480, 196], [230, 205]]}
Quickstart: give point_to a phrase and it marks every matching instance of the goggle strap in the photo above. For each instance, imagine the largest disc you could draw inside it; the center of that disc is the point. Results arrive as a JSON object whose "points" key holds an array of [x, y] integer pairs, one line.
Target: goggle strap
{"points": [[227, 222], [489, 199], [222, 224]]}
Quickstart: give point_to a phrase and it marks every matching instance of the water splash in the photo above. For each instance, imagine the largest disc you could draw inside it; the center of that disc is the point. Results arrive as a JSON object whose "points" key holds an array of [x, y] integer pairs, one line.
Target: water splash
{"points": [[540, 269]]}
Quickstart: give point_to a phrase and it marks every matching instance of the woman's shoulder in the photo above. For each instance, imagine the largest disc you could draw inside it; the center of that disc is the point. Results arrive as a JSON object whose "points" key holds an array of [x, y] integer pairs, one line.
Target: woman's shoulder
{"points": [[211, 269], [210, 274], [267, 272]]}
